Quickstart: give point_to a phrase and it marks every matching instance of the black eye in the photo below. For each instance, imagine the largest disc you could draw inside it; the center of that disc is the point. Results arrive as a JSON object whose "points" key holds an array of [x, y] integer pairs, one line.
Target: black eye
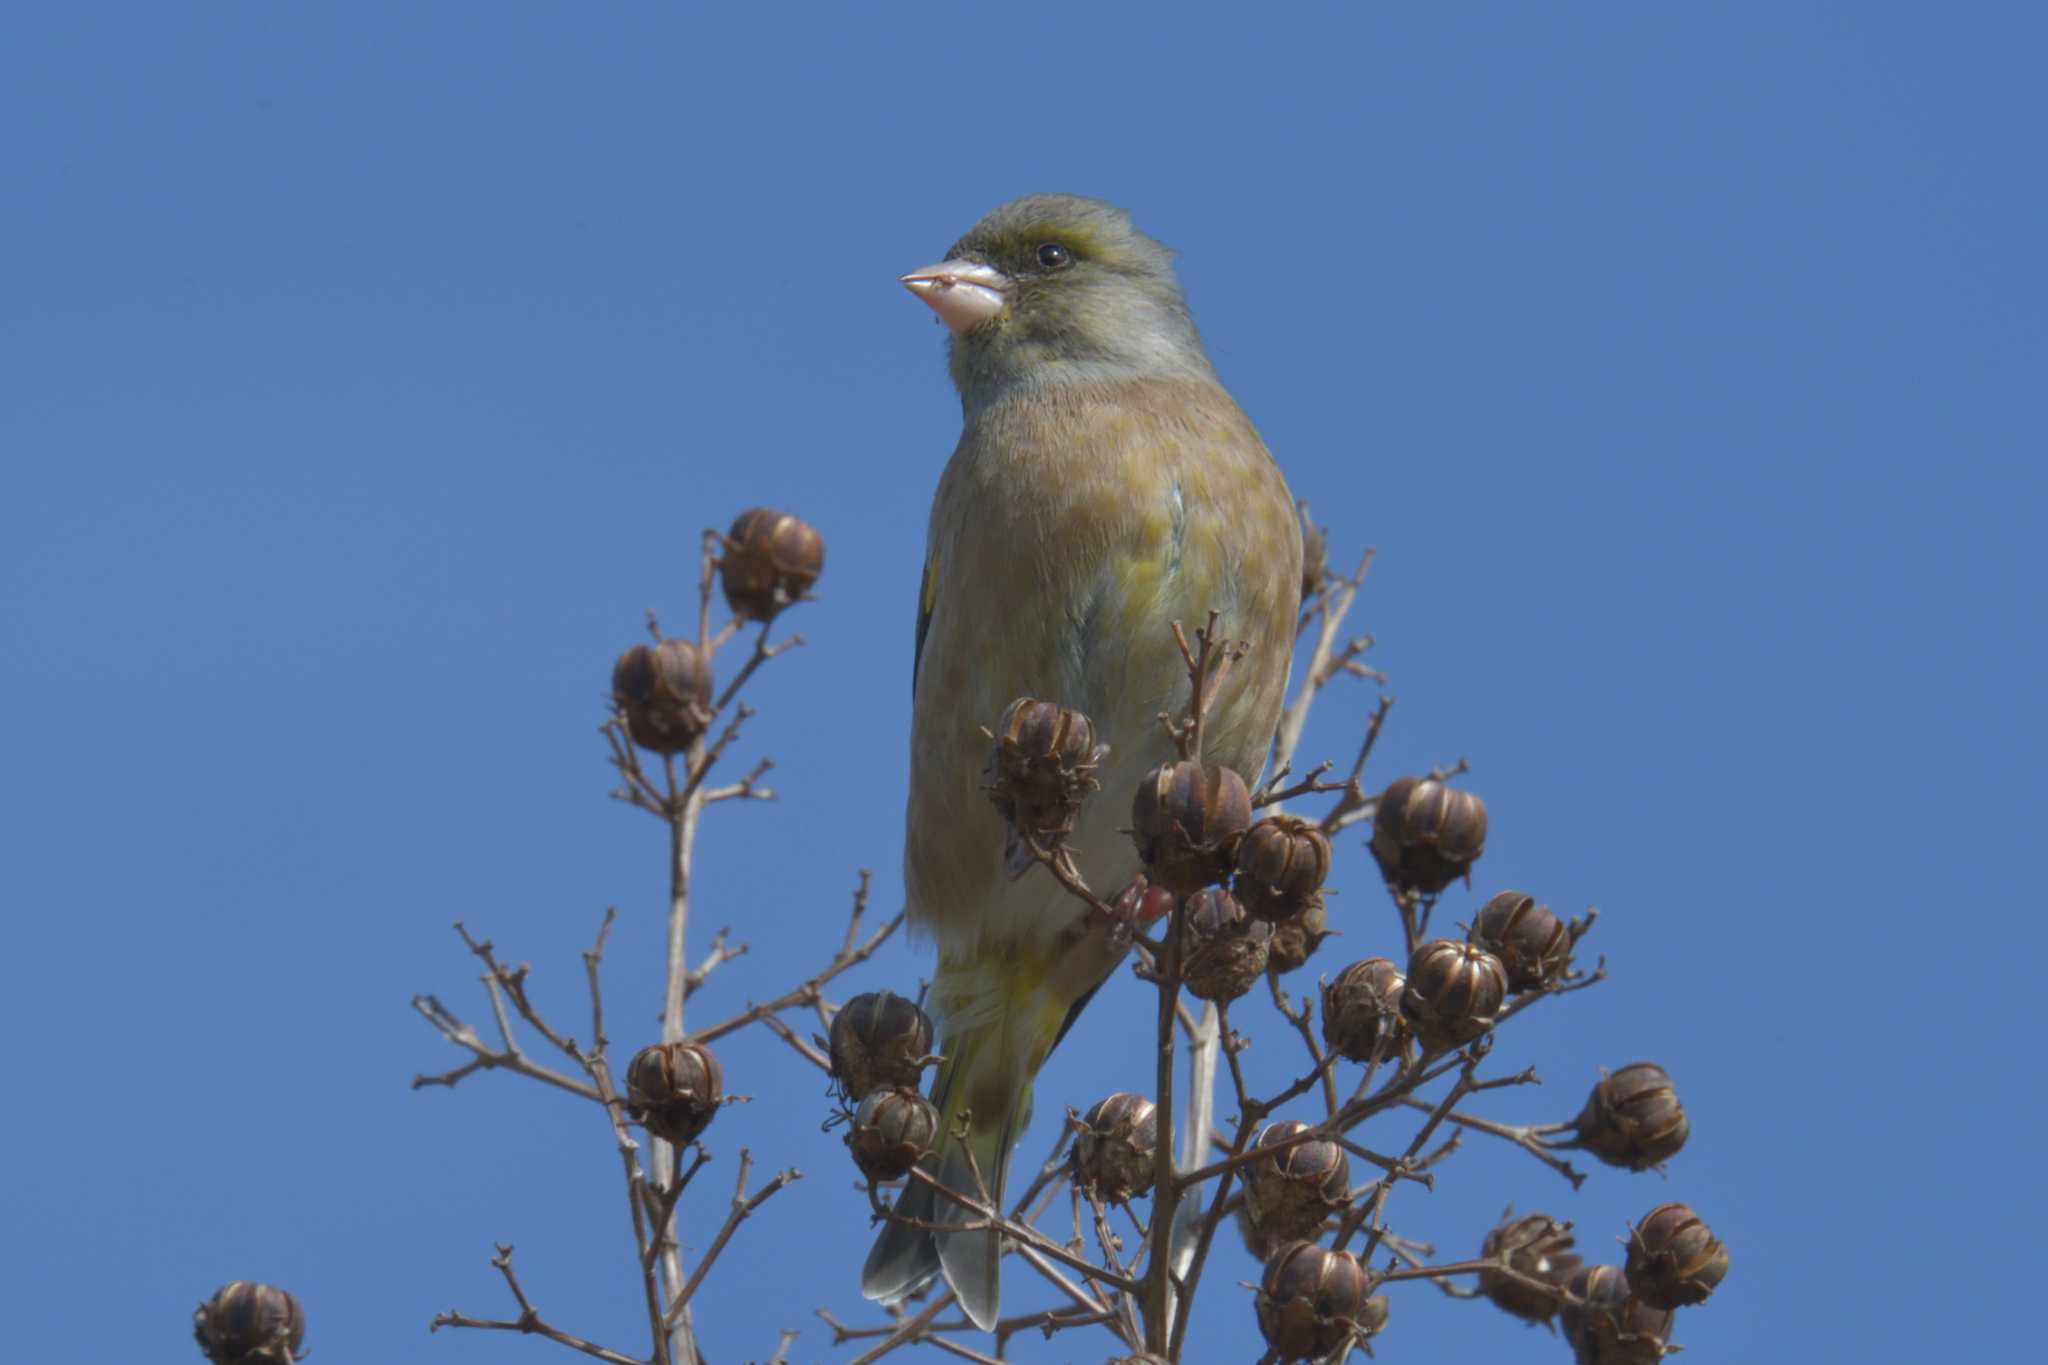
{"points": [[1053, 256]]}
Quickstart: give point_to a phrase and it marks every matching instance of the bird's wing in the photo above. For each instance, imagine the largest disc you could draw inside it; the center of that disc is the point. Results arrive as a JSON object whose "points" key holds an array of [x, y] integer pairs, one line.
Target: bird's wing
{"points": [[927, 598]]}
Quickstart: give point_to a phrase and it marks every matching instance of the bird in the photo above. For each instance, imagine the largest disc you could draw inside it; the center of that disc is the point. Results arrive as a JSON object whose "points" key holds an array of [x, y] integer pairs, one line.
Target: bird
{"points": [[1104, 487]]}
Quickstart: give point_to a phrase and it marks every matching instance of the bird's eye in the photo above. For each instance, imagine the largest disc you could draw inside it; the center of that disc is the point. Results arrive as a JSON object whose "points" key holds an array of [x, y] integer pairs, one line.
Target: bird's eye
{"points": [[1053, 256]]}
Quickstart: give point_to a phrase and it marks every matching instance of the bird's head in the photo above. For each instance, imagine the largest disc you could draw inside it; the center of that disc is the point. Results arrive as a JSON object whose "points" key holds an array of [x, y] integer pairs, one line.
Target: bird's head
{"points": [[1055, 288]]}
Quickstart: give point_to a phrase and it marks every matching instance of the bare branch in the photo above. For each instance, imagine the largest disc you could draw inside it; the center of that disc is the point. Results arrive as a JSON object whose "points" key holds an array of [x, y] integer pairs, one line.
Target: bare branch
{"points": [[848, 956], [513, 982], [910, 1329], [763, 652], [485, 1057], [718, 955], [742, 1206], [1335, 606], [529, 1319], [746, 789], [803, 1049], [1525, 1137]]}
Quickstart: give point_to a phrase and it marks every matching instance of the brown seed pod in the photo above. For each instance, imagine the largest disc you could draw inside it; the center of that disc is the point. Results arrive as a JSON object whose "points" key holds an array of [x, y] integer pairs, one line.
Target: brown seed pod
{"points": [[250, 1324], [1315, 556], [1455, 991], [770, 560], [664, 692], [1296, 939], [1426, 835], [1046, 732], [1535, 1245], [1186, 819], [1592, 1292], [1282, 862], [1641, 1336], [1312, 1300], [1633, 1119], [1224, 950], [1362, 1011], [892, 1131], [1530, 941], [1606, 1325], [1292, 1190], [1114, 1143], [1674, 1258], [878, 1039], [1041, 768], [674, 1089]]}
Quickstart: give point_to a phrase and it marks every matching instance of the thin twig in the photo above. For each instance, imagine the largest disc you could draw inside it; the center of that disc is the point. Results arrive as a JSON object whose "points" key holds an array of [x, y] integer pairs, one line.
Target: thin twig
{"points": [[648, 1230], [808, 992], [1335, 606], [529, 1319], [718, 955], [483, 1056], [742, 1205], [1522, 1137], [910, 1329]]}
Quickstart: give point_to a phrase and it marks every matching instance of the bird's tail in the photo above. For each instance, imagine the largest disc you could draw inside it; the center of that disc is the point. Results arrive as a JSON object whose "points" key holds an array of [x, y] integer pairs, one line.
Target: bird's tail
{"points": [[987, 1075]]}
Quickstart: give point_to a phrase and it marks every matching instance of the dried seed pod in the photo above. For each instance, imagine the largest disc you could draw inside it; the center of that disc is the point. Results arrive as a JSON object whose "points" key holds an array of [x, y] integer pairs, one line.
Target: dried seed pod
{"points": [[892, 1131], [664, 692], [1606, 1325], [770, 560], [250, 1324], [1641, 1337], [1591, 1292], [1186, 819], [878, 1039], [1312, 1300], [1633, 1119], [1426, 835], [1674, 1258], [1455, 991], [1315, 555], [1046, 732], [1041, 768], [1282, 862], [1223, 950], [1530, 941], [674, 1089], [1535, 1245], [1114, 1146], [1362, 1010], [1296, 938], [1291, 1191]]}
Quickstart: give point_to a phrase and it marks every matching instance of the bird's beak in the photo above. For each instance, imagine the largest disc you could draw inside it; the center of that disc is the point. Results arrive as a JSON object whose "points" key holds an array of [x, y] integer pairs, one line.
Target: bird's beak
{"points": [[964, 294]]}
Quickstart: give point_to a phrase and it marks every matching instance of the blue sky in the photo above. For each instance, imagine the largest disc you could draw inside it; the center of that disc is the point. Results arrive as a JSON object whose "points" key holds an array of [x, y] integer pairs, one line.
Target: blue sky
{"points": [[367, 370]]}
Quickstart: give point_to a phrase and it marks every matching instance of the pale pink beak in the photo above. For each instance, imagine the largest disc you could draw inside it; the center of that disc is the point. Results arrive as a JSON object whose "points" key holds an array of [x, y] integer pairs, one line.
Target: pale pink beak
{"points": [[964, 294]]}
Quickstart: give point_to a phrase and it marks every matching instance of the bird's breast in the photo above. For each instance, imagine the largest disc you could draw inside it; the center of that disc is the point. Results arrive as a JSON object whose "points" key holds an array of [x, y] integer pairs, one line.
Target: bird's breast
{"points": [[1071, 529]]}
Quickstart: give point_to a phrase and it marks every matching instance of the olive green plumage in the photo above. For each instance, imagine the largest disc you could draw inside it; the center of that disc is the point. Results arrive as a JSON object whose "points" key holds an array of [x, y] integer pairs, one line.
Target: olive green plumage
{"points": [[1104, 487]]}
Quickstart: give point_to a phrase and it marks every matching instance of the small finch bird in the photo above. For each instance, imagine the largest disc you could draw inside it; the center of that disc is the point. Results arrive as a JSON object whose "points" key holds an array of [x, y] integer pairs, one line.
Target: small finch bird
{"points": [[1104, 487]]}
